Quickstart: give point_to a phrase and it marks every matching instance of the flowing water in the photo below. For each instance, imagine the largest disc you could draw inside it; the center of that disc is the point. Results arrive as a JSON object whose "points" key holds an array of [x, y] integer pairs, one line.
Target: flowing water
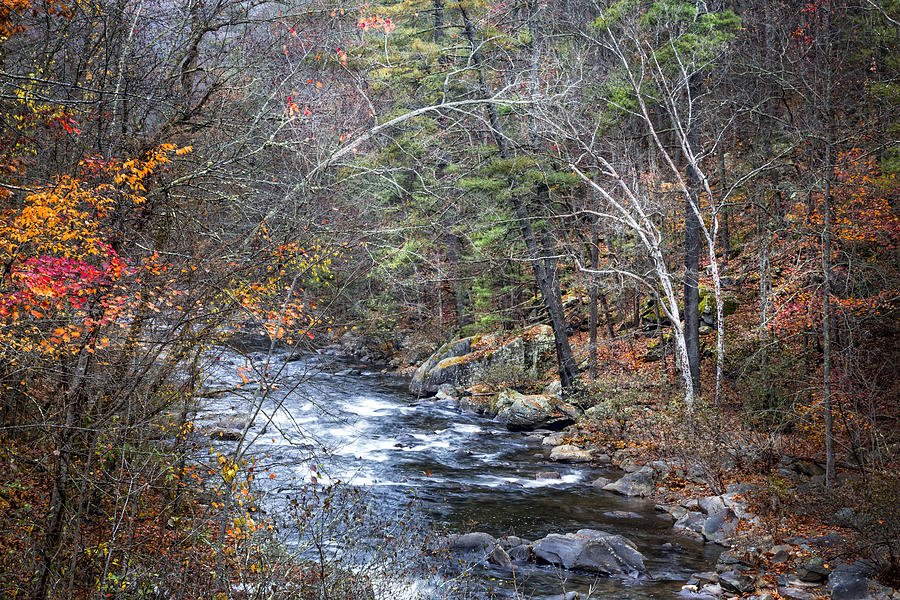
{"points": [[468, 472]]}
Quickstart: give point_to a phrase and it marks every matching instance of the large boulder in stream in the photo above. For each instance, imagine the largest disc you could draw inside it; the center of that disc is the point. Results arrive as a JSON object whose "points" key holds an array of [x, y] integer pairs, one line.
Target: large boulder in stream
{"points": [[441, 367], [717, 528], [481, 547], [461, 364], [570, 454], [639, 483], [590, 550], [523, 412], [471, 542]]}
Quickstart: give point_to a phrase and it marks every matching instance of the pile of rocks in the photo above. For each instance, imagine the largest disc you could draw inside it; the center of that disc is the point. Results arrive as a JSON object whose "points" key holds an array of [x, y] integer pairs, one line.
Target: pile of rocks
{"points": [[586, 550], [814, 578]]}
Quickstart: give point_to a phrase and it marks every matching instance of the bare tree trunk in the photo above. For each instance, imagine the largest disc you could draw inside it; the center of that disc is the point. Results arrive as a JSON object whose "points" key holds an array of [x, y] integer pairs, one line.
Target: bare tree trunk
{"points": [[692, 260], [826, 251], [57, 508], [463, 313], [438, 22], [638, 221], [595, 264], [723, 185], [762, 229], [606, 315], [126, 47]]}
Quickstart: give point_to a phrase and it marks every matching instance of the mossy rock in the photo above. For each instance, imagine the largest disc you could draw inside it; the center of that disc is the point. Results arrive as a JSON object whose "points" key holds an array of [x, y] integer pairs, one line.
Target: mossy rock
{"points": [[461, 363], [730, 305], [421, 383]]}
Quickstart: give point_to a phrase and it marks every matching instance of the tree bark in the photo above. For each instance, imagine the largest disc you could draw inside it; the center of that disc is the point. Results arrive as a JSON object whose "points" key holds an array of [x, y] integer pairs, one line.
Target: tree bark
{"points": [[463, 313], [692, 258], [595, 264], [825, 58], [723, 185]]}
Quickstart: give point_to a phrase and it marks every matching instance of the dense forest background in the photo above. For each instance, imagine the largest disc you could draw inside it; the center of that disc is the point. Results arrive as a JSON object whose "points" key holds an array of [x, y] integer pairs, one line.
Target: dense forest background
{"points": [[700, 199]]}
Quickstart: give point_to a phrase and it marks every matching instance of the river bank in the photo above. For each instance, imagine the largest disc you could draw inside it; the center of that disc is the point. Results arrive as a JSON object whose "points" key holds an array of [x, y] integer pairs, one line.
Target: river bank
{"points": [[705, 497]]}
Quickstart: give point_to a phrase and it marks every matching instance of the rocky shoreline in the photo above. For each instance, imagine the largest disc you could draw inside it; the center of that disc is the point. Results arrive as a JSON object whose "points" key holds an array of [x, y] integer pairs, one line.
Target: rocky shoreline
{"points": [[754, 565]]}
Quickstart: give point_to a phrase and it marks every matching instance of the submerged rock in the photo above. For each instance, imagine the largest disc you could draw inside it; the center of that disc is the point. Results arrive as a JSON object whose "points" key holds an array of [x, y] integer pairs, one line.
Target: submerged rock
{"points": [[622, 514]]}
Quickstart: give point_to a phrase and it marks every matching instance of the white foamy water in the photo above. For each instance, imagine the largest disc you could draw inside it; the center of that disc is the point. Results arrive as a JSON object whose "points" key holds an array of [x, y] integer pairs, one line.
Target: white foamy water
{"points": [[564, 480], [366, 448], [465, 428], [369, 407]]}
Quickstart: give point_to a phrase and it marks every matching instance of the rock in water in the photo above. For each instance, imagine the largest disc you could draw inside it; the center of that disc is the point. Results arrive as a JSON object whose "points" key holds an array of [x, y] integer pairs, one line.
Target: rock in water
{"points": [[566, 596], [525, 413], [229, 435], [520, 553], [238, 421], [736, 582], [554, 439], [690, 523], [718, 528], [471, 542], [639, 483], [568, 453], [499, 558], [592, 551], [428, 376]]}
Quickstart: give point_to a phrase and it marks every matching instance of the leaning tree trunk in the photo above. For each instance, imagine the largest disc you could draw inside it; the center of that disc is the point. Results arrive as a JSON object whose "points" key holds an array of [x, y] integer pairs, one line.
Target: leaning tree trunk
{"points": [[454, 242], [545, 272]]}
